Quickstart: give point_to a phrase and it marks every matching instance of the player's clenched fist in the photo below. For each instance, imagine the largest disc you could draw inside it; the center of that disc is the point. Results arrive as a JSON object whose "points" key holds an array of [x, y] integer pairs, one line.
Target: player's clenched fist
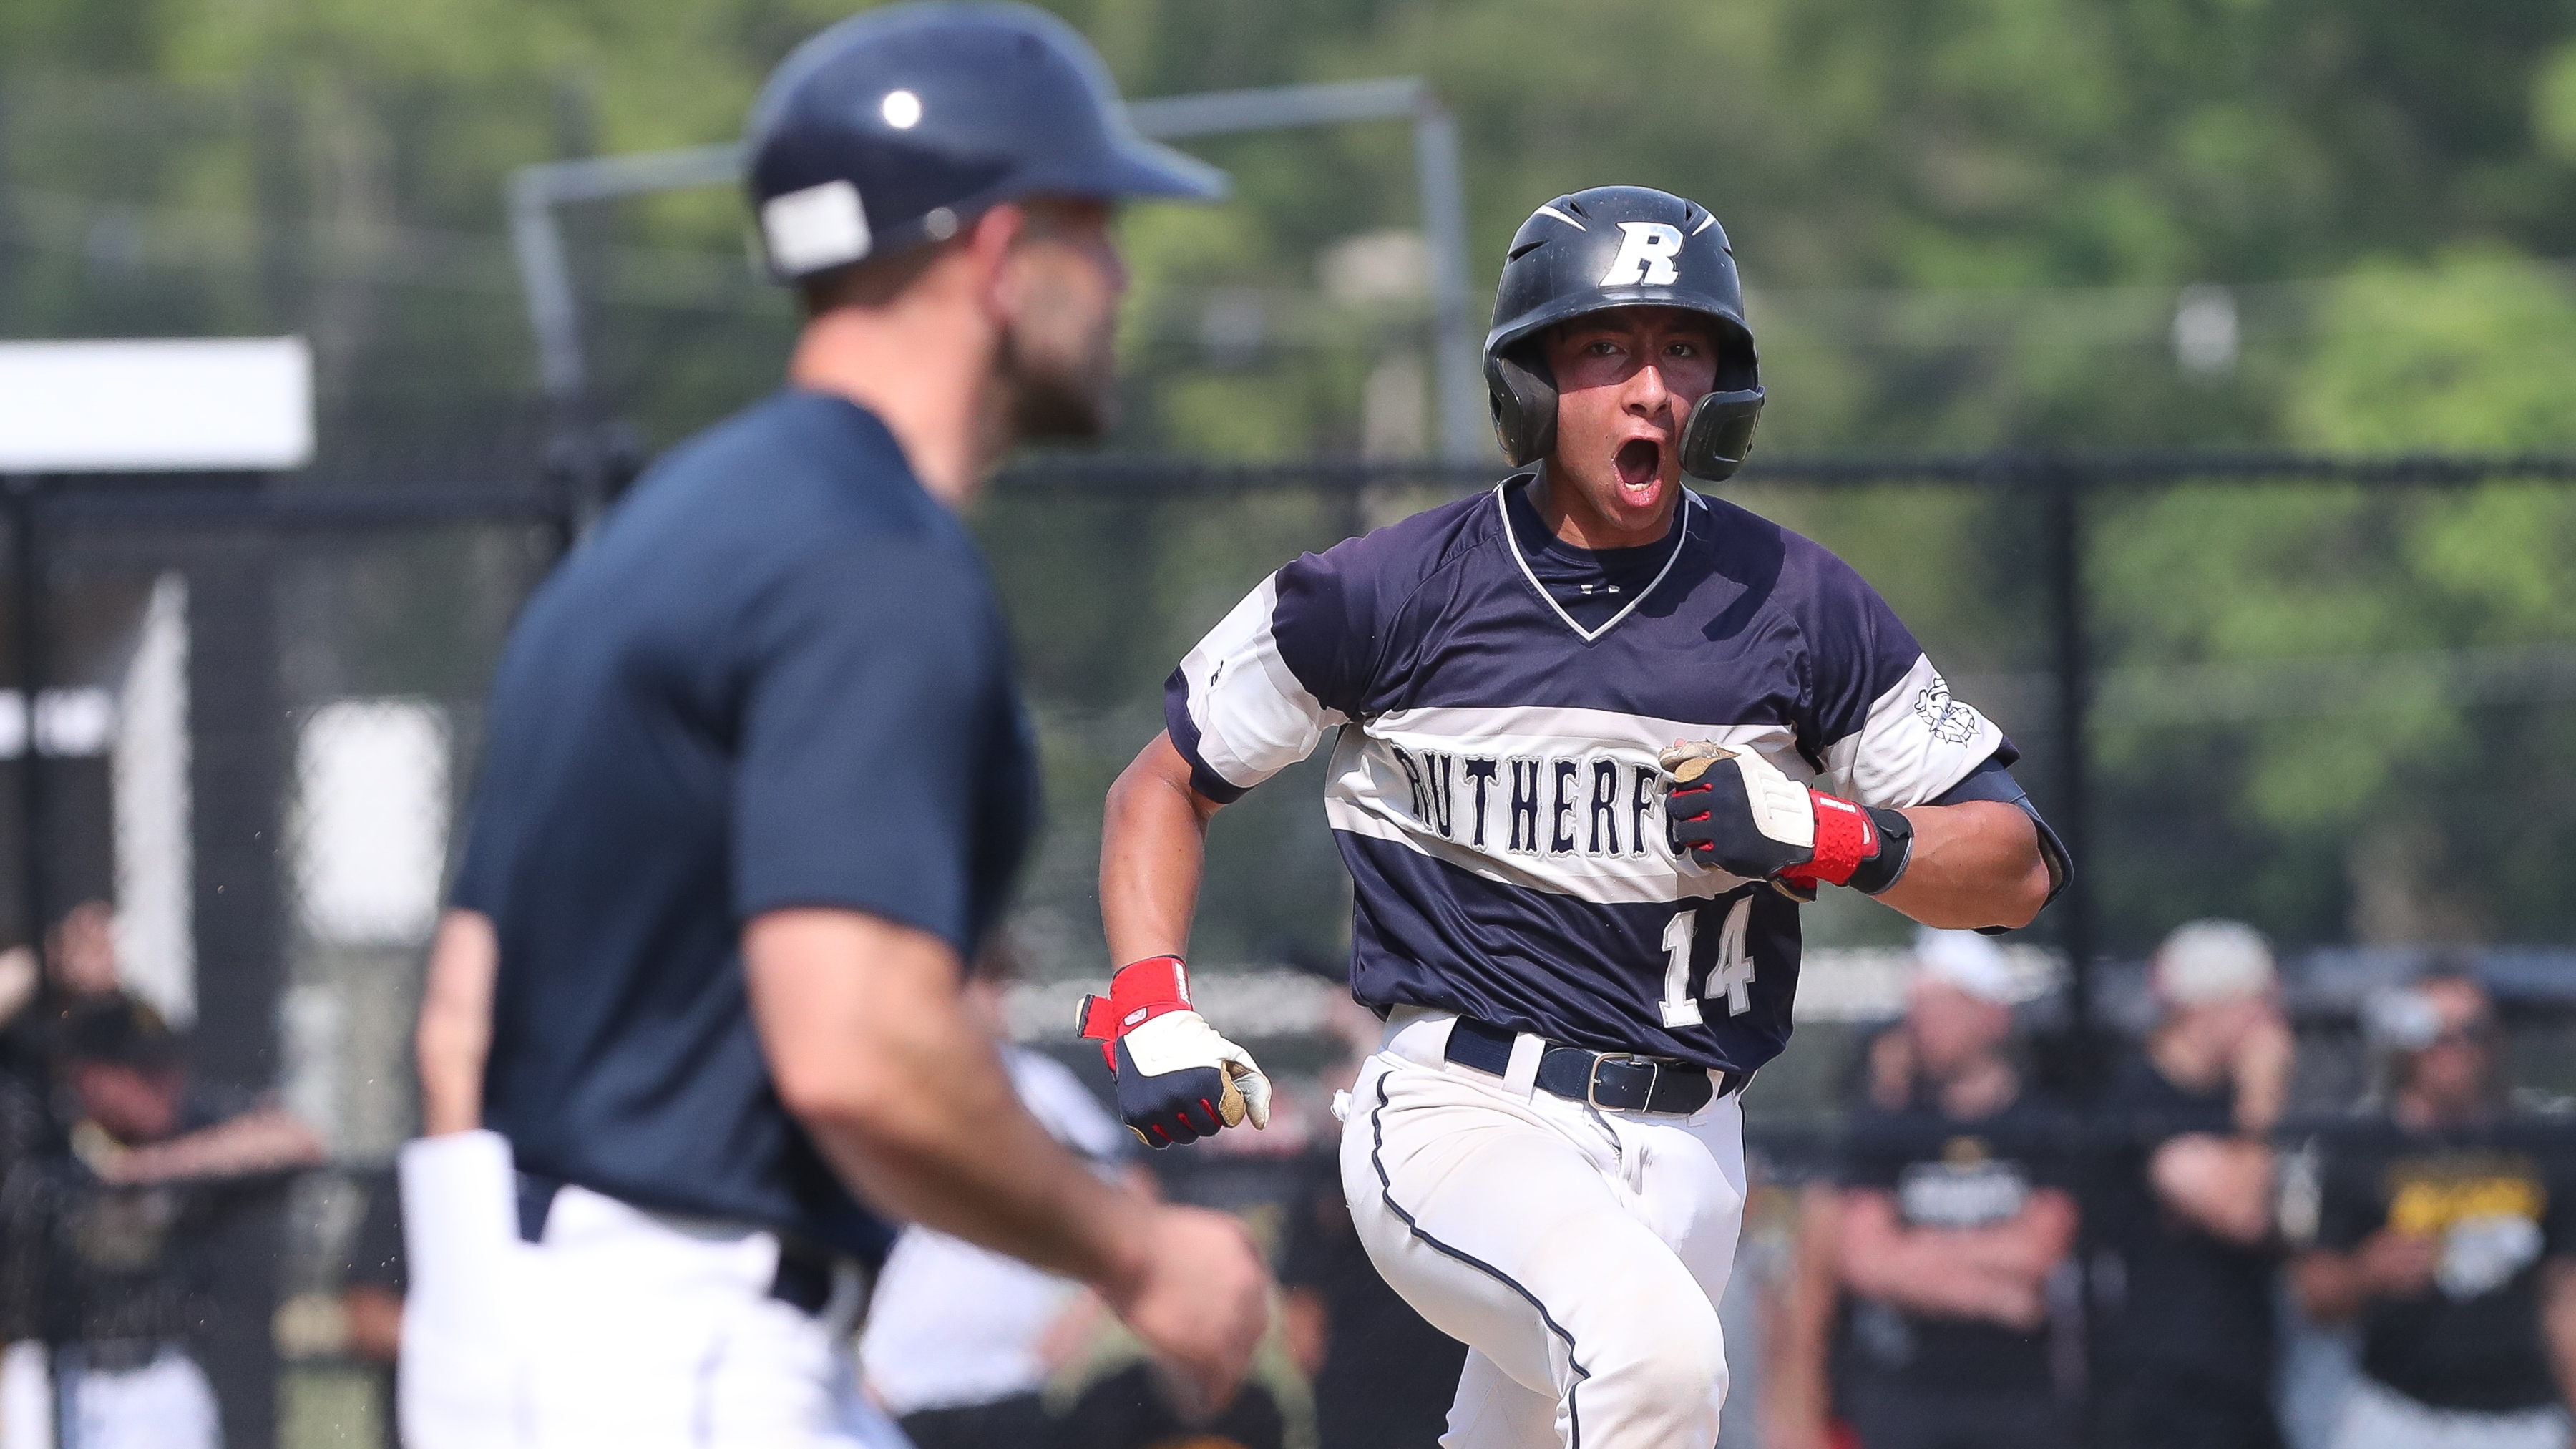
{"points": [[1734, 811], [1178, 1079], [1197, 1293]]}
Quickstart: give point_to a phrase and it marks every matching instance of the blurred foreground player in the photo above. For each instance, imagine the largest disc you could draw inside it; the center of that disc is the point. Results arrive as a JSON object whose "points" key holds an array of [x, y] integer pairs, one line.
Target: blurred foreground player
{"points": [[756, 782], [1578, 969], [2449, 1236], [960, 1340]]}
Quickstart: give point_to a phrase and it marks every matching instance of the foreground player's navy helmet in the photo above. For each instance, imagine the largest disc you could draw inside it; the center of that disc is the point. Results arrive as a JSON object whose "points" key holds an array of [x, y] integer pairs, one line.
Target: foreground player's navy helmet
{"points": [[900, 125], [1620, 246]]}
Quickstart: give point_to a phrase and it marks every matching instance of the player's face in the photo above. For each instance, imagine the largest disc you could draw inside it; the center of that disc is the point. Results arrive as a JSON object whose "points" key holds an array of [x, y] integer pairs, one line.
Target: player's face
{"points": [[134, 1106], [1625, 382], [1953, 1030], [1060, 291], [2457, 1070]]}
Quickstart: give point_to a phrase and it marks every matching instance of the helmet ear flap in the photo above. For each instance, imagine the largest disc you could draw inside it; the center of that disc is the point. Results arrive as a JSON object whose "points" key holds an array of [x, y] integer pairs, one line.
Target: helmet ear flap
{"points": [[1524, 406], [1719, 435]]}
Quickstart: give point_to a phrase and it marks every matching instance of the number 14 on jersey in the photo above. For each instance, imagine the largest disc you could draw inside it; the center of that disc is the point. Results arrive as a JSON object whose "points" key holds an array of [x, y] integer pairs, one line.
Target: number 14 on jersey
{"points": [[1731, 977]]}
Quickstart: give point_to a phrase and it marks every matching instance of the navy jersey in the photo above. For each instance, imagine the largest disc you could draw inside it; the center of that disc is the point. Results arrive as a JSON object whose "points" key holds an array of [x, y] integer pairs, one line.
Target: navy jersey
{"points": [[776, 676], [1494, 790]]}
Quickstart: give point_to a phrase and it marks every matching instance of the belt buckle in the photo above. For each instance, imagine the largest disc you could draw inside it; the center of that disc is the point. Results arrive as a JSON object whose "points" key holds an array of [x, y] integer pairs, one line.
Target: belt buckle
{"points": [[1592, 1082]]}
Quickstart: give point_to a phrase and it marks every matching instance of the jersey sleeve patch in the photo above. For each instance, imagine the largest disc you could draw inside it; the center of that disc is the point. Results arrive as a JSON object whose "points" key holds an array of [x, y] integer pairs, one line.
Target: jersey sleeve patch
{"points": [[1235, 710], [1915, 741]]}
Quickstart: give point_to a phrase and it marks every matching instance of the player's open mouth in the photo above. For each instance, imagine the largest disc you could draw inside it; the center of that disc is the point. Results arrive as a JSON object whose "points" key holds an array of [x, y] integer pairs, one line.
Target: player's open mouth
{"points": [[1640, 462]]}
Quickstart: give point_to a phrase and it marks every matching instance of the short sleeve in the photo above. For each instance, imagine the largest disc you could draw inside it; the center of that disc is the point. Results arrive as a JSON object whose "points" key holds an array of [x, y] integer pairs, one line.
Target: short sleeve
{"points": [[1887, 728], [475, 886], [2558, 1220], [1876, 1149], [876, 712], [2349, 1208], [1259, 691]]}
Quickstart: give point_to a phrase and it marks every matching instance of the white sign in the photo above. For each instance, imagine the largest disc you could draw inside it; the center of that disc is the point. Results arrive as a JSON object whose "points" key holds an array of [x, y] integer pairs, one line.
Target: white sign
{"points": [[371, 820], [183, 404]]}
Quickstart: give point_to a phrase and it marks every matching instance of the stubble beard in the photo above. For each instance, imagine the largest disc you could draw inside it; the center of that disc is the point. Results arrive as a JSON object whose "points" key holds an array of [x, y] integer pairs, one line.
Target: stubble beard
{"points": [[1055, 386]]}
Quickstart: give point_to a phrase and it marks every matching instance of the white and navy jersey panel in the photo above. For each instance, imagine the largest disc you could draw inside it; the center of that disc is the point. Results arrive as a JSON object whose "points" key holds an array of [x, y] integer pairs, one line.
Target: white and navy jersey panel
{"points": [[1494, 788]]}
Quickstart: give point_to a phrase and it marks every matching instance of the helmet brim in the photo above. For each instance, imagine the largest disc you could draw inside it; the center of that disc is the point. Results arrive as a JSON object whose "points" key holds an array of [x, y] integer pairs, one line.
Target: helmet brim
{"points": [[1138, 169], [1529, 324]]}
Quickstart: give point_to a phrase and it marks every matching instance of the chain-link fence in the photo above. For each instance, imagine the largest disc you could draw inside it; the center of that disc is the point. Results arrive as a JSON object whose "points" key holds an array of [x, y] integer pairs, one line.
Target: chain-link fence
{"points": [[258, 716]]}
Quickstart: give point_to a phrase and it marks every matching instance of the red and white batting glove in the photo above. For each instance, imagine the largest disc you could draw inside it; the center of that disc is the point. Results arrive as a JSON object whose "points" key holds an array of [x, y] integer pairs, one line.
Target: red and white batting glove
{"points": [[1178, 1080], [1734, 811]]}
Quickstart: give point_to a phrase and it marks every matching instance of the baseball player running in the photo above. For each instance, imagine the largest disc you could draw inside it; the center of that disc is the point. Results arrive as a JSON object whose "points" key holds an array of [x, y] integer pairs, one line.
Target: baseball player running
{"points": [[1598, 736], [757, 779]]}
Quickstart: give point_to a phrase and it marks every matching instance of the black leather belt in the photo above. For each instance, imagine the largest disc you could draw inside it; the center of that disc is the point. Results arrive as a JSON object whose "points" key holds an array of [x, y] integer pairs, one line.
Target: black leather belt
{"points": [[1612, 1081], [113, 1355], [803, 1280]]}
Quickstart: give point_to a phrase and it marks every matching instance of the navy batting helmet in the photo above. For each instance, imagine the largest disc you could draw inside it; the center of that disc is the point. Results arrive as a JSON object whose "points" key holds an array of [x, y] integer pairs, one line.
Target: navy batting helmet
{"points": [[1620, 246], [898, 126]]}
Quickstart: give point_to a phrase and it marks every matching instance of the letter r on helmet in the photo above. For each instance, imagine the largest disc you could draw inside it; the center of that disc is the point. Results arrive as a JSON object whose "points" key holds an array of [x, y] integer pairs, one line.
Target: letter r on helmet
{"points": [[1646, 251]]}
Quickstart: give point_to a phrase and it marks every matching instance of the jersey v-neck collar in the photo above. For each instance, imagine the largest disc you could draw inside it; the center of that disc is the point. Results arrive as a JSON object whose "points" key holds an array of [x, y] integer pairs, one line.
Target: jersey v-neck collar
{"points": [[1512, 538]]}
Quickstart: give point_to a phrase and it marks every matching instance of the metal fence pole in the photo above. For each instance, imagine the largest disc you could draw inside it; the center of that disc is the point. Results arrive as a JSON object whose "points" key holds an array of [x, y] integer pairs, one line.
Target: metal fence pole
{"points": [[2072, 812], [1458, 367], [238, 738], [25, 493]]}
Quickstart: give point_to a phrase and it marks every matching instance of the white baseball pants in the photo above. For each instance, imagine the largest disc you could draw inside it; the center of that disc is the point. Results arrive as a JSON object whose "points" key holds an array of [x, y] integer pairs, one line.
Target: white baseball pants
{"points": [[621, 1329], [1579, 1253], [2377, 1417], [165, 1404]]}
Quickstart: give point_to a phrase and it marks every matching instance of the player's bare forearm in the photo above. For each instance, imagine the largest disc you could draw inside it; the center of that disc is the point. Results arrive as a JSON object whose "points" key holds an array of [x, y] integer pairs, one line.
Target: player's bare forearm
{"points": [[268, 1139], [1976, 863], [2329, 1285], [873, 1051], [2261, 1071], [1922, 1278], [2222, 1184], [1307, 1325], [373, 1313], [2558, 1322], [1933, 1271], [454, 1036], [2030, 1245], [1153, 846], [1799, 1329]]}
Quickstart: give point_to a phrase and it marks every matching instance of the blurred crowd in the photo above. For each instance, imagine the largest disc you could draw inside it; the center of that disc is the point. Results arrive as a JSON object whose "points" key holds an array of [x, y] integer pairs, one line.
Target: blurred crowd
{"points": [[2004, 1253], [119, 1169], [1943, 1276]]}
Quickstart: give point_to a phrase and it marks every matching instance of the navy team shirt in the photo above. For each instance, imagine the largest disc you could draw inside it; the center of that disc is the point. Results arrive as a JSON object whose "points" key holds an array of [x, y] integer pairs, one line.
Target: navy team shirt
{"points": [[1494, 789], [776, 676]]}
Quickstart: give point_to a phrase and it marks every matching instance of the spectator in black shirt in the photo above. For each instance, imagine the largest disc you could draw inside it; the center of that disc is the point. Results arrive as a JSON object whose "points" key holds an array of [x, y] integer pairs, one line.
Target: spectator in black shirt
{"points": [[1956, 1234], [2188, 1214], [25, 1132], [2448, 1239], [103, 1246], [1383, 1377]]}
